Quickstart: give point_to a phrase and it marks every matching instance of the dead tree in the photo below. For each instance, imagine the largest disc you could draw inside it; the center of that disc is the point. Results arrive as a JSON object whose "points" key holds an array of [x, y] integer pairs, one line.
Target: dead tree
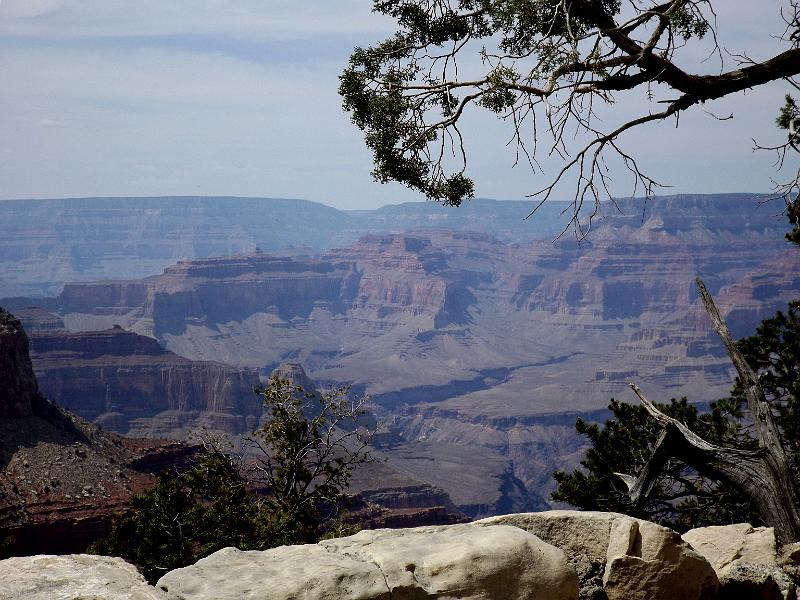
{"points": [[762, 474]]}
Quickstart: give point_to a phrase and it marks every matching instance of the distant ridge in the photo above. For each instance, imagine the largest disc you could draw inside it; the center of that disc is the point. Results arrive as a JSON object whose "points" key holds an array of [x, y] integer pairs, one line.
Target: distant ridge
{"points": [[45, 243]]}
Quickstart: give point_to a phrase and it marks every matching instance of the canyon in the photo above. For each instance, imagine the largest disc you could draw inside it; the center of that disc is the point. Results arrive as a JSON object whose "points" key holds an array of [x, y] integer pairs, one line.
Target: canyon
{"points": [[127, 383], [63, 480], [47, 243], [478, 345]]}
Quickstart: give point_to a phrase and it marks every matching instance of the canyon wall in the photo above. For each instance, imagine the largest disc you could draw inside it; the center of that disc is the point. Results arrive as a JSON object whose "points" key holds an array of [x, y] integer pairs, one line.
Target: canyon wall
{"points": [[47, 243], [478, 351], [128, 384], [62, 479]]}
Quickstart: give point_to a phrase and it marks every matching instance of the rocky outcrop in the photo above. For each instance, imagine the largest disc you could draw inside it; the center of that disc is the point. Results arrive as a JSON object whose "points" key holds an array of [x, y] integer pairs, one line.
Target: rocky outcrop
{"points": [[746, 561], [62, 479], [573, 556], [18, 389], [306, 572], [296, 375], [76, 576], [128, 384], [621, 558], [460, 561]]}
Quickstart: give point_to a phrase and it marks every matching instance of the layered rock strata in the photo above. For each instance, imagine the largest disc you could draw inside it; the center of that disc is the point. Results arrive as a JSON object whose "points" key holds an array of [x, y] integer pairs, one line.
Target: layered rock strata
{"points": [[465, 342], [128, 384], [62, 479]]}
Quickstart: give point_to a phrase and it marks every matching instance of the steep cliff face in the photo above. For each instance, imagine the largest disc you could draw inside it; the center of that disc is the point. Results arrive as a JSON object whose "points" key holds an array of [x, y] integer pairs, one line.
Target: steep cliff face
{"points": [[129, 384], [38, 321], [18, 389], [232, 289], [62, 479]]}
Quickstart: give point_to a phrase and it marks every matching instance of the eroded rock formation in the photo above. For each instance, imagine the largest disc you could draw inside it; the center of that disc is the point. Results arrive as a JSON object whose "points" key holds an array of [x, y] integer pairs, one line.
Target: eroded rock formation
{"points": [[746, 561], [75, 576], [557, 555], [560, 555], [618, 557], [128, 384], [62, 479], [465, 341]]}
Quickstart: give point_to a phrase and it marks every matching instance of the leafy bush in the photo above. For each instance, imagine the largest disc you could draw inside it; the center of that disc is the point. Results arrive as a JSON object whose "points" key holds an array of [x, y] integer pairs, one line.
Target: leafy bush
{"points": [[187, 516], [306, 452]]}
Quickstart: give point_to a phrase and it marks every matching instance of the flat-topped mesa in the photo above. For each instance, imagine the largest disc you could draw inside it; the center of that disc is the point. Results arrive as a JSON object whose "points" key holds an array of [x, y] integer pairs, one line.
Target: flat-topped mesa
{"points": [[87, 345], [220, 290], [18, 389], [401, 251], [245, 264], [701, 216], [395, 242]]}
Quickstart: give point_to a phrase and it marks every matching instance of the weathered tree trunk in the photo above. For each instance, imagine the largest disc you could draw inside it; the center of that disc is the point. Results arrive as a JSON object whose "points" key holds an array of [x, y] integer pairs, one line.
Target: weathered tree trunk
{"points": [[762, 475]]}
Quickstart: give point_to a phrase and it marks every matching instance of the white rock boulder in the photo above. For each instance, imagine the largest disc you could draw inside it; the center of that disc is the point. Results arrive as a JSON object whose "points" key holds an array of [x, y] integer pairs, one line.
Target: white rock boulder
{"points": [[621, 557], [304, 572], [70, 577], [745, 559], [464, 561], [456, 561]]}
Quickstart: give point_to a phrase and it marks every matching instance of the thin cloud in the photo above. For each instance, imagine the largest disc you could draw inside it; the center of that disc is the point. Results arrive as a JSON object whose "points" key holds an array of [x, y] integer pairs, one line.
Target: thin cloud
{"points": [[223, 97], [253, 19]]}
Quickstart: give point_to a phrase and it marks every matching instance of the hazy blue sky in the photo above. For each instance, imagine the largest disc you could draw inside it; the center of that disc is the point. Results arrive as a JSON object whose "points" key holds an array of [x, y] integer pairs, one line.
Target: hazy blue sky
{"points": [[218, 97]]}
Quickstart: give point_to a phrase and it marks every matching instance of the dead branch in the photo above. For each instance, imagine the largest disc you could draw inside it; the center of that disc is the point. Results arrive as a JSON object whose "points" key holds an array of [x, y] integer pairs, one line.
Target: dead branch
{"points": [[763, 475]]}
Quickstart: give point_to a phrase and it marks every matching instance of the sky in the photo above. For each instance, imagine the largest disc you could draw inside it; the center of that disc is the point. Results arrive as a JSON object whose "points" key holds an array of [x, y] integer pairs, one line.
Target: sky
{"points": [[224, 97]]}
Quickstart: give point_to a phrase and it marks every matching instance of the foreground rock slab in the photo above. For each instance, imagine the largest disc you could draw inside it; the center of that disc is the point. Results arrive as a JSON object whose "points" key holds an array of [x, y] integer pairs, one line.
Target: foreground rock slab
{"points": [[302, 572], [619, 557], [745, 559], [458, 561], [71, 577]]}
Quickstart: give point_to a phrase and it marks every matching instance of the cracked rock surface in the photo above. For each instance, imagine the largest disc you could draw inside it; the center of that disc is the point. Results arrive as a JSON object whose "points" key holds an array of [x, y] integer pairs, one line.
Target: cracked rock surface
{"points": [[746, 561], [73, 577], [619, 557], [457, 561]]}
